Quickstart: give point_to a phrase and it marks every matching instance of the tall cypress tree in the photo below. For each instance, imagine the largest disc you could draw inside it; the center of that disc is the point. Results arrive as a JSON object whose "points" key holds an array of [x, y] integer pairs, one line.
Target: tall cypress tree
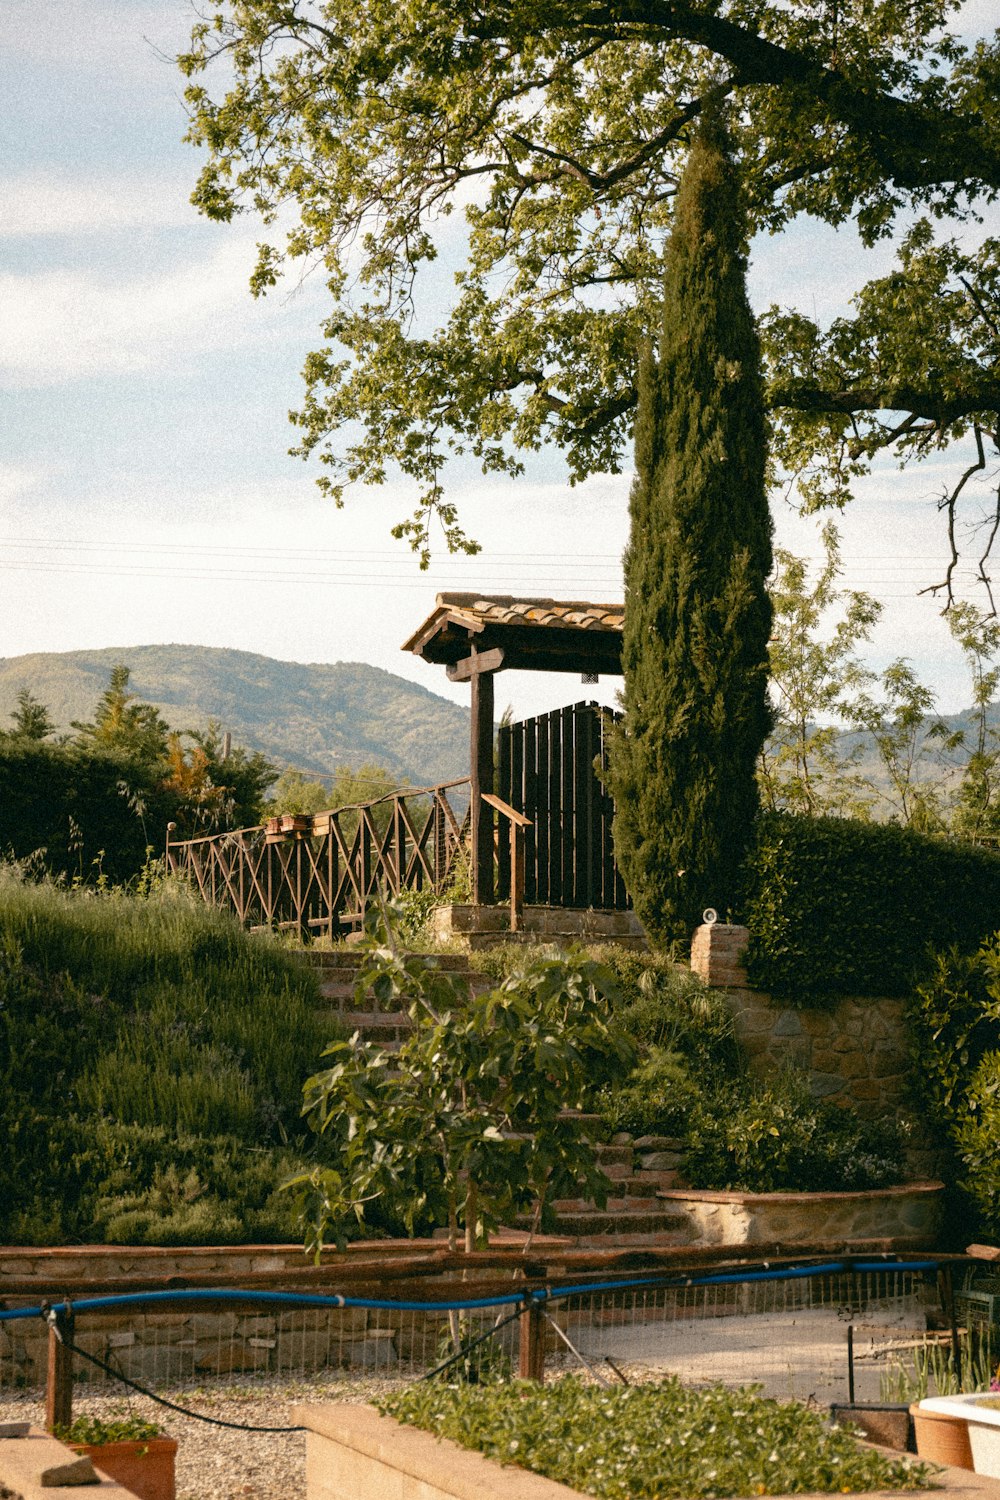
{"points": [[697, 614]]}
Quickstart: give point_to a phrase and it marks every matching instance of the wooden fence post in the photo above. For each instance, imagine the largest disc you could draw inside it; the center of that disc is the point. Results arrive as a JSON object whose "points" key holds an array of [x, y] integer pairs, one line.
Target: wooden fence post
{"points": [[59, 1387], [531, 1348]]}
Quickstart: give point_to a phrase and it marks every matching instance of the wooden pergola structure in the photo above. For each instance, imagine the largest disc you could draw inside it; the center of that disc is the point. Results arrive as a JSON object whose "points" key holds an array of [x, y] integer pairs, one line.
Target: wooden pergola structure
{"points": [[475, 636]]}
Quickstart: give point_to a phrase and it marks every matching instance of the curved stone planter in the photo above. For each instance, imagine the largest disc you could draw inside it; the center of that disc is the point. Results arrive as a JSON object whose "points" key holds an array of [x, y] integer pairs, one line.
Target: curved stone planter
{"points": [[911, 1212]]}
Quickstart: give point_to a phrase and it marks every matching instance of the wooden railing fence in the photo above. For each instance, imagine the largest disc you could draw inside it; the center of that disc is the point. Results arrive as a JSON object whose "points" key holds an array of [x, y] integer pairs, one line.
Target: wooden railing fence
{"points": [[316, 873]]}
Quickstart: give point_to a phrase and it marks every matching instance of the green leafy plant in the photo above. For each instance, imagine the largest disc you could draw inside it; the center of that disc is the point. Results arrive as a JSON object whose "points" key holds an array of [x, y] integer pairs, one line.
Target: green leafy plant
{"points": [[656, 1441], [929, 1370], [464, 1126], [775, 1137], [96, 1431]]}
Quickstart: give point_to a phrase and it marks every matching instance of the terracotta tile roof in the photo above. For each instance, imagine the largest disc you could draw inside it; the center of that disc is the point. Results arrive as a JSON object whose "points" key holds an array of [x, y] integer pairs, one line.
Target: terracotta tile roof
{"points": [[558, 635], [504, 609]]}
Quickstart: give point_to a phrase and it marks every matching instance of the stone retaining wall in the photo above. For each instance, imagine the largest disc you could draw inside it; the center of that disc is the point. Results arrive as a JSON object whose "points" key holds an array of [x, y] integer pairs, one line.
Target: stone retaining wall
{"points": [[854, 1053]]}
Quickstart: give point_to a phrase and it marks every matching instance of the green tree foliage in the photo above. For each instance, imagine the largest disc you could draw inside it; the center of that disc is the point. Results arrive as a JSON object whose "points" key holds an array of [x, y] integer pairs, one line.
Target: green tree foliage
{"points": [[906, 734], [31, 719], [977, 812], [815, 671], [94, 806], [78, 811], [121, 722], [217, 785], [294, 792], [559, 132], [697, 617], [463, 1127]]}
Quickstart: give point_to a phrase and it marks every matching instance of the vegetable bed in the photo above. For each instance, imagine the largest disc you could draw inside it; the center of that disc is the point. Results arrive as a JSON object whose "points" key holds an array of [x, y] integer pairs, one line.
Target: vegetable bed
{"points": [[651, 1442]]}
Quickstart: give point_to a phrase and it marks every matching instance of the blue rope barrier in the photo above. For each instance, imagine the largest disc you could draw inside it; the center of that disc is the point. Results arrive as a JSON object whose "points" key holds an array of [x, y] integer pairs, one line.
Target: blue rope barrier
{"points": [[509, 1299]]}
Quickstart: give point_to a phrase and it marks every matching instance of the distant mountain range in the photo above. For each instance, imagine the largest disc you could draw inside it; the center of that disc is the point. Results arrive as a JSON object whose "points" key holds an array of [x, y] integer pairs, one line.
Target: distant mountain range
{"points": [[316, 717]]}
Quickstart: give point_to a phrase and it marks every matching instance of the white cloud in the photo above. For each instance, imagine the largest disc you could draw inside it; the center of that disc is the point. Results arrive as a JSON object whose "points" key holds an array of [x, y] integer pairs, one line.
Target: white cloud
{"points": [[51, 203], [124, 39], [17, 480], [66, 324]]}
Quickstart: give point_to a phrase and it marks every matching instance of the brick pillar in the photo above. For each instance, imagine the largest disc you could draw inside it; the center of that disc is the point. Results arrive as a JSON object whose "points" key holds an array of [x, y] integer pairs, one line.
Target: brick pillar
{"points": [[717, 950]]}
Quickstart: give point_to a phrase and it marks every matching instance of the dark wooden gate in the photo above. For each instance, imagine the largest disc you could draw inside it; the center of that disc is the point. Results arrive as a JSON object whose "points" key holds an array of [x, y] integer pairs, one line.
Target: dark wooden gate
{"points": [[546, 770]]}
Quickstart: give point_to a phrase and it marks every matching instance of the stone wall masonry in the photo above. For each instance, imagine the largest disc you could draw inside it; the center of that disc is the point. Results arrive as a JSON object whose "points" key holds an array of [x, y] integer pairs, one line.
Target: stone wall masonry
{"points": [[854, 1053]]}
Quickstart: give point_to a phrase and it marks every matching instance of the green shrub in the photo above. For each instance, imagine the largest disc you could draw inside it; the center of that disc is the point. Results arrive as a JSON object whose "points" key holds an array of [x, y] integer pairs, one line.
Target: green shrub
{"points": [[774, 1137], [657, 1098], [838, 907], [954, 1025], [954, 1021], [654, 1442], [682, 1033], [976, 1138], [96, 1431], [86, 808]]}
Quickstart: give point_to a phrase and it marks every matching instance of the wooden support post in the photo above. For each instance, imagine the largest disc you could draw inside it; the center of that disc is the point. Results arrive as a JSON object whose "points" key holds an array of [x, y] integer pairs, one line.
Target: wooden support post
{"points": [[59, 1387], [481, 769], [531, 1349], [516, 877]]}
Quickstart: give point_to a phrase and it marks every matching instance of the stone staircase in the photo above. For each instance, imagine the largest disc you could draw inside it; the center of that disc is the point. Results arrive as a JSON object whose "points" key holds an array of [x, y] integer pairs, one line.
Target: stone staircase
{"points": [[633, 1216], [338, 971]]}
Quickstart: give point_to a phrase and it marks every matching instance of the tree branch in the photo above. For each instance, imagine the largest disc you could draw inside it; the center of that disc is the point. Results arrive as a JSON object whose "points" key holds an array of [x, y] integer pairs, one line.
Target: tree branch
{"points": [[918, 145]]}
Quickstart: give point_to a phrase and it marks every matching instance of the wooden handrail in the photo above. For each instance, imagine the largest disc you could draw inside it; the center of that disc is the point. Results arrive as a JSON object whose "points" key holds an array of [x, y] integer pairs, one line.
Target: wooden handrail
{"points": [[518, 823]]}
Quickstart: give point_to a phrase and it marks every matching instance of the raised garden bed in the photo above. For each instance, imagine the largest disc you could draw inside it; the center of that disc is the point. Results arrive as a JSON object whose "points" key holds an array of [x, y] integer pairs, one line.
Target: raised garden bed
{"points": [[664, 1441], [909, 1214]]}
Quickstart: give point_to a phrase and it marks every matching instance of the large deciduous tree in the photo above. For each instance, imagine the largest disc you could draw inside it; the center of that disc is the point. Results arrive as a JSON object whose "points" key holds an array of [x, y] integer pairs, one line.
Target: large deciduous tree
{"points": [[697, 614], [560, 130]]}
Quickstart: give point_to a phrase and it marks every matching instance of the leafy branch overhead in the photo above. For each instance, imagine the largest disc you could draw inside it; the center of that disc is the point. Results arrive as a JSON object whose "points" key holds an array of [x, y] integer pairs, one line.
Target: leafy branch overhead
{"points": [[541, 145]]}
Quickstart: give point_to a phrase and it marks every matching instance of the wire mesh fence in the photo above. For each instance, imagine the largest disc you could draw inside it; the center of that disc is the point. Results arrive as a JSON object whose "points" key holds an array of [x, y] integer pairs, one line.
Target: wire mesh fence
{"points": [[807, 1332]]}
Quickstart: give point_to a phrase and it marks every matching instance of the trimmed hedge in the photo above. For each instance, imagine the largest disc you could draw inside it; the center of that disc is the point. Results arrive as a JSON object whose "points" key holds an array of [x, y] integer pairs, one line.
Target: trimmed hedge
{"points": [[85, 808], [839, 907]]}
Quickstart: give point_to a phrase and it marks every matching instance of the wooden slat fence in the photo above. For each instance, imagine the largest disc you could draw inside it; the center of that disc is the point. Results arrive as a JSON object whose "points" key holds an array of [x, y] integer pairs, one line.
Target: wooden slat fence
{"points": [[546, 768], [316, 874]]}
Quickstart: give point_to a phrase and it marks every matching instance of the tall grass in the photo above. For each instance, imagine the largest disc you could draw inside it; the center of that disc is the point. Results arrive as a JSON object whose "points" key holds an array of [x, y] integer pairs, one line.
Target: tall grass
{"points": [[140, 1012]]}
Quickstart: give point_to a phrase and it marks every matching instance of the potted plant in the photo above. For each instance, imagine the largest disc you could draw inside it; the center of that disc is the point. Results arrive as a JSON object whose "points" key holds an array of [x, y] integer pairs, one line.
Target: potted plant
{"points": [[127, 1449]]}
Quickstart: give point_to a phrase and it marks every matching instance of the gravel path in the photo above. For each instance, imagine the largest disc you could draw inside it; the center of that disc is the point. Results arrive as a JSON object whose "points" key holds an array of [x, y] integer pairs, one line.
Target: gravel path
{"points": [[216, 1463]]}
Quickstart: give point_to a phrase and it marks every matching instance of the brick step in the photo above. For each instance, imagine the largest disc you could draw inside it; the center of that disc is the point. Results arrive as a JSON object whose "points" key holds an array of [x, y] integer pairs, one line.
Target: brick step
{"points": [[657, 1239], [343, 991], [351, 961], [479, 941], [586, 1223], [625, 1203], [658, 1181]]}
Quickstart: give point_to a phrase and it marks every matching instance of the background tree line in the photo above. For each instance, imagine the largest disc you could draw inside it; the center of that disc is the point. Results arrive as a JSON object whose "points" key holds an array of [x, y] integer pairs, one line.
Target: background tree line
{"points": [[94, 803], [853, 742]]}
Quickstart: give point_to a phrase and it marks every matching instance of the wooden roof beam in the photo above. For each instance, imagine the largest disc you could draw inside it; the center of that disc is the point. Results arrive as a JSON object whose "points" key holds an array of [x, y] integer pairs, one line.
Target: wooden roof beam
{"points": [[479, 661]]}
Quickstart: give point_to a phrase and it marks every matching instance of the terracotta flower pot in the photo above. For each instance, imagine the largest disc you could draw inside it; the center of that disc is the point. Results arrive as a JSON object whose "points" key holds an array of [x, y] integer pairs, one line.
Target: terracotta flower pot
{"points": [[941, 1438], [144, 1465]]}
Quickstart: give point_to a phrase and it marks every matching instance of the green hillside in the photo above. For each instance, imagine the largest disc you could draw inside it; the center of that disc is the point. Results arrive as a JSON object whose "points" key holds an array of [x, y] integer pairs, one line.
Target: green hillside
{"points": [[316, 717]]}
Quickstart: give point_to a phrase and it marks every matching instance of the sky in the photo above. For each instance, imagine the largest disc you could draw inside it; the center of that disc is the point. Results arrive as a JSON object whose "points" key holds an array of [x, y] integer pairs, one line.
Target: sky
{"points": [[146, 492]]}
